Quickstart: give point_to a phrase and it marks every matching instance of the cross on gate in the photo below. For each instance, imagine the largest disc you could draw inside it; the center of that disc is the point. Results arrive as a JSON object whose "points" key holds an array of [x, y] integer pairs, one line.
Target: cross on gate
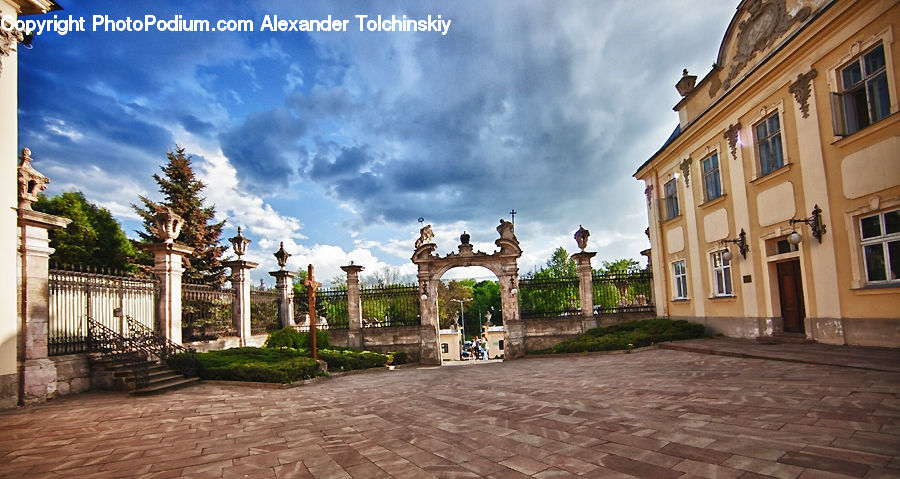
{"points": [[513, 214], [311, 286]]}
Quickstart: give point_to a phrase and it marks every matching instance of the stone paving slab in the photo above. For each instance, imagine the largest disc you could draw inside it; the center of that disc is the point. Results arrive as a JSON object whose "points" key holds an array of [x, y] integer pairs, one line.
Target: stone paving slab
{"points": [[654, 414], [877, 359]]}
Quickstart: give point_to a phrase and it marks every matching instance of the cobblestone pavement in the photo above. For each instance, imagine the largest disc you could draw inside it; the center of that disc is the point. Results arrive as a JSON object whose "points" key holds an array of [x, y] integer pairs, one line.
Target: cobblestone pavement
{"points": [[652, 414]]}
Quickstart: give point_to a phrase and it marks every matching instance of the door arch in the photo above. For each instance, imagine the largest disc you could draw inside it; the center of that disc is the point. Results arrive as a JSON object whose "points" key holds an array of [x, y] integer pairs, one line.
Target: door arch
{"points": [[503, 263]]}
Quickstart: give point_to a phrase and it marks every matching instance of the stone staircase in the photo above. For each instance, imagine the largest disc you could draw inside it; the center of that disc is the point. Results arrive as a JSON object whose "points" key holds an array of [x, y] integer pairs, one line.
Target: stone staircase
{"points": [[785, 338], [134, 372], [134, 363]]}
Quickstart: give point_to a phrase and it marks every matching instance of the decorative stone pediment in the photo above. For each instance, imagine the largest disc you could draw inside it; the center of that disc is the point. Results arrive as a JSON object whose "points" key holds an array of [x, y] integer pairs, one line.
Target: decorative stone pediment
{"points": [[757, 28]]}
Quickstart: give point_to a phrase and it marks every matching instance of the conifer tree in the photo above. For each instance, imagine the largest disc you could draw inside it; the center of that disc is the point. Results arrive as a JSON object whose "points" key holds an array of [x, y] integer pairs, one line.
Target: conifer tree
{"points": [[181, 190]]}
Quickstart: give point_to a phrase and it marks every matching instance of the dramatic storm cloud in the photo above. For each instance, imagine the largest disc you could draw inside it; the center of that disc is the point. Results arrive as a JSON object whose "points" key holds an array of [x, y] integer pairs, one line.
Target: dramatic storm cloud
{"points": [[336, 142]]}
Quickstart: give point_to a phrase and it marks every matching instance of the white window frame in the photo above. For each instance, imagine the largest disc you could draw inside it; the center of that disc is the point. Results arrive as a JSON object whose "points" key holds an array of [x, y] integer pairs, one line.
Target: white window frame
{"points": [[721, 270], [882, 239], [676, 208], [765, 112], [757, 141], [857, 48], [679, 283], [717, 172]]}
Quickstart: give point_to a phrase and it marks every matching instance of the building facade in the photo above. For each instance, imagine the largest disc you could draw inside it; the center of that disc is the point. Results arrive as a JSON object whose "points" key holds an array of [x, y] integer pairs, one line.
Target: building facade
{"points": [[774, 207], [11, 341]]}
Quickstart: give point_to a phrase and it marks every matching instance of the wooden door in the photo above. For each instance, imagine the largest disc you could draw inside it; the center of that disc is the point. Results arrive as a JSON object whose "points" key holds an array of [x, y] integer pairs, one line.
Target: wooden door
{"points": [[790, 287]]}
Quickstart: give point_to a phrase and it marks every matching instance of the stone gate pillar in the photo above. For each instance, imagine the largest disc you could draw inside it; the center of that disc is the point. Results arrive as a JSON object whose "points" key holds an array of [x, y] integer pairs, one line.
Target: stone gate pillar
{"points": [[514, 327], [37, 373], [354, 306], [168, 268], [585, 288], [240, 287], [284, 284]]}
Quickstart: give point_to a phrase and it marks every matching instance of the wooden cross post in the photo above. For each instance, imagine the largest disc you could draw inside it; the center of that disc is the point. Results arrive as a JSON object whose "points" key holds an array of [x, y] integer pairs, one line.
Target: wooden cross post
{"points": [[311, 287]]}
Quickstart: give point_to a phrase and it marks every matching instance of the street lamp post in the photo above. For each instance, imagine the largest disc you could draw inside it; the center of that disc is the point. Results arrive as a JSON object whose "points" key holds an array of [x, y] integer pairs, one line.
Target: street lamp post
{"points": [[462, 314]]}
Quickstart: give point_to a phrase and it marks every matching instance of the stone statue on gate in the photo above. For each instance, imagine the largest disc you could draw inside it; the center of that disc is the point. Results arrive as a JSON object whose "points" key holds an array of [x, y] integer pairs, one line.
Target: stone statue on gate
{"points": [[581, 237], [426, 236], [506, 230]]}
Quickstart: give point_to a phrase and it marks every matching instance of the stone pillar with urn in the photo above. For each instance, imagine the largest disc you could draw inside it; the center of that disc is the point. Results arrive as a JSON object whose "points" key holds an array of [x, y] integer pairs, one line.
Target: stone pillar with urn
{"points": [[284, 284], [36, 372], [585, 279], [168, 267], [354, 306], [240, 287]]}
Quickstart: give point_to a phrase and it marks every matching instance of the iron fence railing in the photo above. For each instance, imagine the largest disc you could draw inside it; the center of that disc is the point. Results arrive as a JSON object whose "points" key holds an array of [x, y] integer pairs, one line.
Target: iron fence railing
{"points": [[549, 298], [331, 304], [75, 296], [205, 312], [263, 311], [394, 305], [623, 292]]}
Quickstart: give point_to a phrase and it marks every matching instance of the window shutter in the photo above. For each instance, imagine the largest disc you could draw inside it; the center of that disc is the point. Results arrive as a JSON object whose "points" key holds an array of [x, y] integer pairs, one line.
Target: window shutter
{"points": [[838, 115]]}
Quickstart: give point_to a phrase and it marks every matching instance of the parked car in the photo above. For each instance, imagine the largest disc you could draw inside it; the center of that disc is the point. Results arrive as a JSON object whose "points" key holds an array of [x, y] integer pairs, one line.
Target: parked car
{"points": [[466, 350]]}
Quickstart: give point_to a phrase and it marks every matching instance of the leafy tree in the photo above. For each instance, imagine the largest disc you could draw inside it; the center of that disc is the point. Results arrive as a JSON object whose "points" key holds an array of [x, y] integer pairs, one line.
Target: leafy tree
{"points": [[486, 297], [625, 265], [93, 238], [181, 190], [560, 265]]}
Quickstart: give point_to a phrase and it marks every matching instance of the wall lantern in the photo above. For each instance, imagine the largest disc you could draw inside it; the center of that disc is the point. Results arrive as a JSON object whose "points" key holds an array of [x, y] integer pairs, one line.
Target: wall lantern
{"points": [[424, 290], [815, 225], [512, 287], [741, 243], [239, 243]]}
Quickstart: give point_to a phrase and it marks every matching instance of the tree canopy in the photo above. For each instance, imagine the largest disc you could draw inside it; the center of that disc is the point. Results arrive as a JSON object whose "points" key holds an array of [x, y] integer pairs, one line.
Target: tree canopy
{"points": [[94, 238], [181, 191]]}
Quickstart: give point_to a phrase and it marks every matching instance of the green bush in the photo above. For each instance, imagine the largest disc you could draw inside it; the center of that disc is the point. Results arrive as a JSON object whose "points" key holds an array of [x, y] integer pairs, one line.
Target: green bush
{"points": [[629, 335], [348, 359], [248, 364], [399, 357], [291, 338]]}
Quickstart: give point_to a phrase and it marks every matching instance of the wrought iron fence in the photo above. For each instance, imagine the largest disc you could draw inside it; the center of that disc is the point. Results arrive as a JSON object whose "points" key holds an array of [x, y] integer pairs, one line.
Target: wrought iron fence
{"points": [[331, 304], [205, 312], [263, 311], [549, 298], [394, 305], [76, 296], [623, 292]]}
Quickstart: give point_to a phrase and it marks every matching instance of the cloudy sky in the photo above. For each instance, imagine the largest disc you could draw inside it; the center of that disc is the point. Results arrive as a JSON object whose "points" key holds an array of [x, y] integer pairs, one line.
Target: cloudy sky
{"points": [[337, 142]]}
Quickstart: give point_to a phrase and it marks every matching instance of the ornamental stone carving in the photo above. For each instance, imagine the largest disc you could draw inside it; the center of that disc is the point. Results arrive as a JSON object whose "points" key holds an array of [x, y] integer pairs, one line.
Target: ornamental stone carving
{"points": [[581, 237], [166, 225], [731, 135], [802, 88], [8, 41], [767, 21], [31, 181], [685, 167], [426, 236]]}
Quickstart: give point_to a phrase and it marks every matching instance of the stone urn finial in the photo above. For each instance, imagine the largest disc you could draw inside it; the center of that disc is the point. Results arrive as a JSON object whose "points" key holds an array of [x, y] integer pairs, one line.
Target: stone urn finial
{"points": [[581, 237], [464, 238], [31, 181], [167, 225], [239, 243], [282, 256]]}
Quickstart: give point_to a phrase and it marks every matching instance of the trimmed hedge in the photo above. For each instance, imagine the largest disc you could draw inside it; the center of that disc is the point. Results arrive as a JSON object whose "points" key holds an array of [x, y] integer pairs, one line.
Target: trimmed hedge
{"points": [[629, 335], [291, 338], [247, 364], [349, 359]]}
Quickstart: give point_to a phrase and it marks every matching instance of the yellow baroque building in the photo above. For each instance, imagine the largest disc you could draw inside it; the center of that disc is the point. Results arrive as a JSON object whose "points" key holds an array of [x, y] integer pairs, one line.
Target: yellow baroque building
{"points": [[774, 206]]}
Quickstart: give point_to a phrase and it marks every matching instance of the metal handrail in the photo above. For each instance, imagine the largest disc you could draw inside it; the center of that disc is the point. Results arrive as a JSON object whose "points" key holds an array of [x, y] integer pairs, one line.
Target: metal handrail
{"points": [[146, 339], [106, 341]]}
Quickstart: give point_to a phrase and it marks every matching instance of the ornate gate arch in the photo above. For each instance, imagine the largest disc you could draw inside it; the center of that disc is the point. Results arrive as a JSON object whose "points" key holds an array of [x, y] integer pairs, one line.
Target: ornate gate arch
{"points": [[502, 263]]}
